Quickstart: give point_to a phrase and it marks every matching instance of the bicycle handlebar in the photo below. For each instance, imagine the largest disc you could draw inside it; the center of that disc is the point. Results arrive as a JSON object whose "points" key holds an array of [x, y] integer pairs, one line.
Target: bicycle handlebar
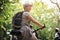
{"points": [[38, 29]]}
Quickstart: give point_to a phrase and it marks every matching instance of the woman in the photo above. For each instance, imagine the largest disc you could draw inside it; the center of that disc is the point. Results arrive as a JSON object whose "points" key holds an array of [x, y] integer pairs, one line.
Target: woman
{"points": [[26, 19]]}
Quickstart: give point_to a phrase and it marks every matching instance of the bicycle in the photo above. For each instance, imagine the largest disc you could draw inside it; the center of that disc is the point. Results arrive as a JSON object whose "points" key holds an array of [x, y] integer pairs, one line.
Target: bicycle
{"points": [[16, 33]]}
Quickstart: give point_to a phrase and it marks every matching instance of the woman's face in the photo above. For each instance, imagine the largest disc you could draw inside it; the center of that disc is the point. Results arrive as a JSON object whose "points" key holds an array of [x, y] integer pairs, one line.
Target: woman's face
{"points": [[28, 8]]}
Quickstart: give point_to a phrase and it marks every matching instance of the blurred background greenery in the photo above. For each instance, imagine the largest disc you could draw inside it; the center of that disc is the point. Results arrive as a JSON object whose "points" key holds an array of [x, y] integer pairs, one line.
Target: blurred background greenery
{"points": [[42, 11]]}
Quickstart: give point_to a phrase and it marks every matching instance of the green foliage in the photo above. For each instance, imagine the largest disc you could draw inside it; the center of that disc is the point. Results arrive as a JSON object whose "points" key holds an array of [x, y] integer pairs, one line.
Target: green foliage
{"points": [[40, 12]]}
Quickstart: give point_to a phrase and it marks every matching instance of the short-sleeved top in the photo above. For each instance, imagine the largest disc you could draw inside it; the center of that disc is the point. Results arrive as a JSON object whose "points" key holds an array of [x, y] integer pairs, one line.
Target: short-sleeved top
{"points": [[25, 20]]}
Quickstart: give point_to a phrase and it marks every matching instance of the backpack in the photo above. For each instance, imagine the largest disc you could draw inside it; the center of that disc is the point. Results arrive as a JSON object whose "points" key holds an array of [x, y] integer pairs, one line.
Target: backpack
{"points": [[17, 19]]}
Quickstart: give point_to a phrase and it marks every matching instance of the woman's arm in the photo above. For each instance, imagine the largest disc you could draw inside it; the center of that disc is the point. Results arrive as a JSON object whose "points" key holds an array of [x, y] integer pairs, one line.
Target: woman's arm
{"points": [[34, 21]]}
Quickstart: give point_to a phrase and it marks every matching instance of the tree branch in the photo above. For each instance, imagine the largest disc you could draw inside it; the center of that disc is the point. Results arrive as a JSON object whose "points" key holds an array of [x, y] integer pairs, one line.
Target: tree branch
{"points": [[56, 4]]}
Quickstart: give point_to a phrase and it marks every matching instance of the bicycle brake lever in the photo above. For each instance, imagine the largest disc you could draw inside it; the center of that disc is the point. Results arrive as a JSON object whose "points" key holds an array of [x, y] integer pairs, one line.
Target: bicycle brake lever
{"points": [[43, 26]]}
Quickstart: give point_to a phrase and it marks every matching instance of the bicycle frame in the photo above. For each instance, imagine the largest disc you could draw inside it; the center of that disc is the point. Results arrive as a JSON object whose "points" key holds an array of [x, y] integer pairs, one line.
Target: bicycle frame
{"points": [[13, 38]]}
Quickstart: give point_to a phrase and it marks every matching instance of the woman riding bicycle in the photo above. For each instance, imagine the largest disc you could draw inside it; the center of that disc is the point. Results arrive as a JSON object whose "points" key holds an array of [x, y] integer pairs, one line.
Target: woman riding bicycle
{"points": [[26, 19]]}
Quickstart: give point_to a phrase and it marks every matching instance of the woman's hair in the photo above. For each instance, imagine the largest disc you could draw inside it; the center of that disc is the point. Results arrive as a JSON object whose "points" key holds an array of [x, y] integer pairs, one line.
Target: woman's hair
{"points": [[26, 5]]}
